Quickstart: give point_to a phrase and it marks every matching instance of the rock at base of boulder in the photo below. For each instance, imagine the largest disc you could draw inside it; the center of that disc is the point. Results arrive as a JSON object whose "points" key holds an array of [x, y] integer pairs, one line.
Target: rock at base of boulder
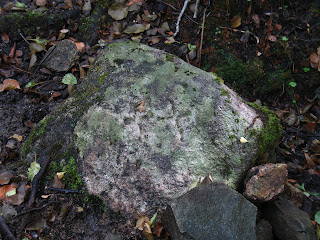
{"points": [[210, 211], [265, 182], [288, 221], [264, 230]]}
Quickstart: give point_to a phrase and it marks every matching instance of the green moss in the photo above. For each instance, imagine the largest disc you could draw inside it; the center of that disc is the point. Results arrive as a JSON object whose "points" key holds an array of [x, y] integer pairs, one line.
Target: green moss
{"points": [[249, 76], [224, 92], [34, 135], [169, 57], [272, 131], [30, 23], [72, 178], [102, 78]]}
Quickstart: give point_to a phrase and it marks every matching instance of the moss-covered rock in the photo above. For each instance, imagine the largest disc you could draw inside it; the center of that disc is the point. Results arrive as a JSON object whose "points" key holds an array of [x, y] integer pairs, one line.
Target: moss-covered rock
{"points": [[145, 125]]}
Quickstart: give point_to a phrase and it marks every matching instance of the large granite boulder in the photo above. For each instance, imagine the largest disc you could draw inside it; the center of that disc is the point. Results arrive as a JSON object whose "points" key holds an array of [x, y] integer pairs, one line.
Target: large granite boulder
{"points": [[145, 125]]}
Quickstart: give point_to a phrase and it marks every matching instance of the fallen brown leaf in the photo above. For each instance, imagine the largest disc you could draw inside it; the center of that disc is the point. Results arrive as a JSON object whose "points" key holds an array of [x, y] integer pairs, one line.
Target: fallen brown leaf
{"points": [[272, 38], [9, 84], [236, 21], [309, 161], [141, 107], [5, 37], [5, 189]]}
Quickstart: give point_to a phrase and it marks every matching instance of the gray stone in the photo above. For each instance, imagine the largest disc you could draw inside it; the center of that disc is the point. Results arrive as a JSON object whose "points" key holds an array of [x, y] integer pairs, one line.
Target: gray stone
{"points": [[144, 125], [61, 56], [210, 211], [288, 221], [264, 230]]}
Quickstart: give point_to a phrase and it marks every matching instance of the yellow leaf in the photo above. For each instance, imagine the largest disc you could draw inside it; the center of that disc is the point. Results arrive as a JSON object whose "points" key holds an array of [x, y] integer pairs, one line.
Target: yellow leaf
{"points": [[243, 140], [236, 21], [18, 137], [60, 174], [141, 221]]}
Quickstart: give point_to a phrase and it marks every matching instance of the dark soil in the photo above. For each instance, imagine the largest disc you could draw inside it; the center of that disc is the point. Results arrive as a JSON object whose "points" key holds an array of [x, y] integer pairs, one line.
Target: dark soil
{"points": [[255, 66]]}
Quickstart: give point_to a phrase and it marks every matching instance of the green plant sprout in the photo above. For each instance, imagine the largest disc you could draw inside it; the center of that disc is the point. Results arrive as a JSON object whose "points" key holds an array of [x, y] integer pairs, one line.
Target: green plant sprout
{"points": [[218, 31], [306, 69], [308, 194], [191, 47], [69, 79], [284, 38], [293, 84]]}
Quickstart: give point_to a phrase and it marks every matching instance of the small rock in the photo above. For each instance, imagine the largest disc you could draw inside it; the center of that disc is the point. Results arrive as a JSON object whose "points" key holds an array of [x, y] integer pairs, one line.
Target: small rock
{"points": [[291, 119], [136, 28], [11, 144], [61, 57], [211, 211], [118, 11], [288, 221], [265, 182], [264, 230]]}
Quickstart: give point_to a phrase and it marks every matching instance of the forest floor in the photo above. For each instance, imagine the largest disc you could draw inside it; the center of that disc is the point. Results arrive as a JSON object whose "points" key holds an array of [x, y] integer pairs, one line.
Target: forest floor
{"points": [[267, 51]]}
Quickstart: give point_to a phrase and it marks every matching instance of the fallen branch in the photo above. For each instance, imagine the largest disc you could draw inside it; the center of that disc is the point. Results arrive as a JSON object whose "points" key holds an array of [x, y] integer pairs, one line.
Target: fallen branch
{"points": [[6, 234], [34, 209], [36, 180], [180, 17], [63, 190], [195, 15], [202, 32]]}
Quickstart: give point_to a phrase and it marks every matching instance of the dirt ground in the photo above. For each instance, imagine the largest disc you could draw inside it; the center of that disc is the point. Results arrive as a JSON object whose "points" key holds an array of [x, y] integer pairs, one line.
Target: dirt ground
{"points": [[271, 57]]}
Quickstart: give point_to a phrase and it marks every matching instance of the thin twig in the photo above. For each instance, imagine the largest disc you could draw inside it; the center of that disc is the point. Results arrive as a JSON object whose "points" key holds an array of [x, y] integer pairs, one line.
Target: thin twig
{"points": [[21, 70], [187, 58], [35, 209], [195, 15], [202, 32], [6, 234], [23, 37], [180, 17], [63, 190], [252, 123], [36, 180]]}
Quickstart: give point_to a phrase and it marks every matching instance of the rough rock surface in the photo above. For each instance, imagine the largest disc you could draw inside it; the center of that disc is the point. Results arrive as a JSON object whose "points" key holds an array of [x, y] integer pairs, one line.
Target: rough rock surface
{"points": [[210, 211], [145, 125], [265, 182], [288, 221], [61, 56], [264, 230]]}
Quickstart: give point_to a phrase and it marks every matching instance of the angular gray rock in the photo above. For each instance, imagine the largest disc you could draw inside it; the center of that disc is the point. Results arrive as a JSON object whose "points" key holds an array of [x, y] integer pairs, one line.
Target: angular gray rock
{"points": [[210, 211], [145, 125], [288, 221], [61, 56], [264, 230]]}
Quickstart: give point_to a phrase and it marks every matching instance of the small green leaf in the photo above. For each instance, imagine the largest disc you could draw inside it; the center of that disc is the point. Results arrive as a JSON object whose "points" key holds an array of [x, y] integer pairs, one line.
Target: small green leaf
{"points": [[11, 193], [293, 84], [30, 84], [69, 79], [306, 69], [317, 217], [302, 187], [294, 101], [191, 47], [33, 170], [153, 219], [20, 5], [39, 40], [284, 38]]}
